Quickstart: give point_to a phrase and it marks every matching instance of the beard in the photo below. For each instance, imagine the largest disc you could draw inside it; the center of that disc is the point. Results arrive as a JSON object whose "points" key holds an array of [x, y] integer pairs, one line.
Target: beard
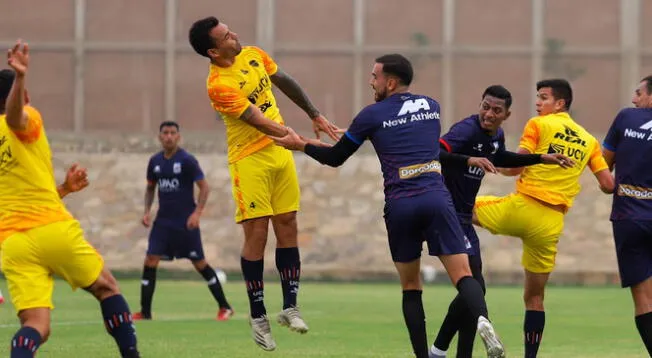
{"points": [[380, 95]]}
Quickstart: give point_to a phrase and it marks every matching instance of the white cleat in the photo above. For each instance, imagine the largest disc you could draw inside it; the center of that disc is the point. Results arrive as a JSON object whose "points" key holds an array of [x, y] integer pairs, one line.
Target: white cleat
{"points": [[490, 339], [262, 333], [291, 318]]}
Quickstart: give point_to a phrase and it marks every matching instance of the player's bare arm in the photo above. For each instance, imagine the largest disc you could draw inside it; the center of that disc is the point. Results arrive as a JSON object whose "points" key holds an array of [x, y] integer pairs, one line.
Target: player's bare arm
{"points": [[204, 190], [150, 191], [76, 180], [609, 157], [606, 181], [255, 118], [293, 90], [18, 60]]}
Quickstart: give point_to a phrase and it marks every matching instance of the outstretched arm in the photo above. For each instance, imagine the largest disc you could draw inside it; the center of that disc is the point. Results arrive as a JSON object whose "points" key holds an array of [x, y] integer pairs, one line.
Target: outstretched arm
{"points": [[506, 159], [293, 90], [333, 156], [18, 59]]}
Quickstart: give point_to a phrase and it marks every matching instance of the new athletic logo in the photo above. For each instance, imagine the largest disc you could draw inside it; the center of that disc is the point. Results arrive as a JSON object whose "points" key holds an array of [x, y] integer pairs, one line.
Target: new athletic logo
{"points": [[418, 169], [414, 106], [631, 133], [647, 126], [634, 192], [409, 113]]}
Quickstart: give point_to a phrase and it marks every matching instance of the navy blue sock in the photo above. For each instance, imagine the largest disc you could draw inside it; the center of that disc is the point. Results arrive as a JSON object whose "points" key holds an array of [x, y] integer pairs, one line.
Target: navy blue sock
{"points": [[470, 291], [288, 264], [644, 326], [119, 324], [215, 286], [415, 320], [147, 286], [25, 343], [533, 326], [253, 276]]}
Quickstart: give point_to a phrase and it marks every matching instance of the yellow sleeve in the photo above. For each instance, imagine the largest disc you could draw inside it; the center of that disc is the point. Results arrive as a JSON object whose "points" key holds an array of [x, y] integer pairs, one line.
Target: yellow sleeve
{"points": [[530, 137], [270, 66], [227, 100], [596, 160], [34, 126]]}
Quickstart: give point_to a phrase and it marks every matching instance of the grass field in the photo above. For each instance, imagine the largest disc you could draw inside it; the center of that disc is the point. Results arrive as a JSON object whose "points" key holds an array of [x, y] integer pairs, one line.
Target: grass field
{"points": [[346, 320]]}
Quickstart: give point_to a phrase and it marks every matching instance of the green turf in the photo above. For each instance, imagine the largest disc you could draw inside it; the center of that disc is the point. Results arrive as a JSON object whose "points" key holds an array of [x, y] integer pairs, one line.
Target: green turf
{"points": [[346, 320]]}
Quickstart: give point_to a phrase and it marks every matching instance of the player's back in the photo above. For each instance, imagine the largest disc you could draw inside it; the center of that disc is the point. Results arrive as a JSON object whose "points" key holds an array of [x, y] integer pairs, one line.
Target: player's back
{"points": [[631, 139], [557, 133], [28, 193], [232, 89], [404, 129]]}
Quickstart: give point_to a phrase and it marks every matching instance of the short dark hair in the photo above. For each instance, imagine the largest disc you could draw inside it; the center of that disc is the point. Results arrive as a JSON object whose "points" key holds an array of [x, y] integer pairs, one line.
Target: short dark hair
{"points": [[397, 65], [648, 83], [200, 35], [561, 89], [499, 92], [6, 81], [168, 124]]}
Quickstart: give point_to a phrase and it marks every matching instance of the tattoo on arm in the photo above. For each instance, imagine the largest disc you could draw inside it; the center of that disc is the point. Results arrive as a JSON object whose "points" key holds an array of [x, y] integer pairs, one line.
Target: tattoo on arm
{"points": [[293, 90], [255, 118], [247, 114]]}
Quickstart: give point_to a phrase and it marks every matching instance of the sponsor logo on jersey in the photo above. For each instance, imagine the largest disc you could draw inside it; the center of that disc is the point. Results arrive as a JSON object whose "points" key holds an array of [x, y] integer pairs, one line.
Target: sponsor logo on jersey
{"points": [[415, 170]]}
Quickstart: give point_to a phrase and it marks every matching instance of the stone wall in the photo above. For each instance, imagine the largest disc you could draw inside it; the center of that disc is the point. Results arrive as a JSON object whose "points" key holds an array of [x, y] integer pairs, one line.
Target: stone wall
{"points": [[342, 234]]}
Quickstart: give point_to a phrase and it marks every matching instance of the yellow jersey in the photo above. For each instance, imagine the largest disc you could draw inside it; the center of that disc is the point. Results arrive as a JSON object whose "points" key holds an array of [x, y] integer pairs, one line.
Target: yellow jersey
{"points": [[231, 91], [28, 192], [558, 133]]}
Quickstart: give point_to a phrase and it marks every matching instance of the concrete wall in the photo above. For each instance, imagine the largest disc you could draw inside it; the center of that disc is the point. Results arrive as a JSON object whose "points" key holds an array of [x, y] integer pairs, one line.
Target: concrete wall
{"points": [[342, 233]]}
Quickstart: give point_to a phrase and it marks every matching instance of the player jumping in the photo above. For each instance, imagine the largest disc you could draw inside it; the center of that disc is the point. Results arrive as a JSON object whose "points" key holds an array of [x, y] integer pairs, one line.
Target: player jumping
{"points": [[264, 178]]}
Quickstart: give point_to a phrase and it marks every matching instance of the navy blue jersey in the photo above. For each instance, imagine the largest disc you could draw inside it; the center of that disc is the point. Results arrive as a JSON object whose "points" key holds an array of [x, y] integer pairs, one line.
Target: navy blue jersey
{"points": [[468, 138], [403, 129], [630, 137], [175, 178]]}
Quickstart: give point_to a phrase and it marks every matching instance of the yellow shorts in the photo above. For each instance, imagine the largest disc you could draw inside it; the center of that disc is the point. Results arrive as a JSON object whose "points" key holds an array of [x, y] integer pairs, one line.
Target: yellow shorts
{"points": [[30, 258], [538, 226], [265, 183]]}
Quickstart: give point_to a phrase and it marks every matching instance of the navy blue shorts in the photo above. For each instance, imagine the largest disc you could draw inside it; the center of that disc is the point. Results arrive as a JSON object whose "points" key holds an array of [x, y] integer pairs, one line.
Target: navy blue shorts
{"points": [[471, 240], [634, 250], [428, 217], [175, 243]]}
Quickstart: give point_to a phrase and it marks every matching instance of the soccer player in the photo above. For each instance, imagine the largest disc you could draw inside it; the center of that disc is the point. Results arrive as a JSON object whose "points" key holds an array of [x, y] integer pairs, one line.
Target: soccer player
{"points": [[544, 193], [628, 148], [175, 233], [404, 129], [479, 144], [39, 237], [264, 178]]}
